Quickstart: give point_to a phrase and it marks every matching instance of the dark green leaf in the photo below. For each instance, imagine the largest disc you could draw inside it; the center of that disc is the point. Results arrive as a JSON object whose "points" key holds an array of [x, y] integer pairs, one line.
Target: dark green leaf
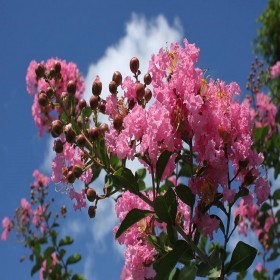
{"points": [[185, 194], [165, 264], [103, 154], [242, 257], [74, 259], [221, 225], [188, 272], [141, 173], [48, 252], [67, 240], [276, 194], [166, 207], [78, 277], [161, 164], [185, 171], [35, 268], [125, 179], [131, 218]]}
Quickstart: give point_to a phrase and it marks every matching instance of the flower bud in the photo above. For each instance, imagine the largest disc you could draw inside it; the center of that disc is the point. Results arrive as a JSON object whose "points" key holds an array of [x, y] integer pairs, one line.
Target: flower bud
{"points": [[96, 87], [140, 91], [56, 128], [40, 71], [134, 65], [58, 146], [147, 79], [117, 77], [82, 104], [70, 133], [93, 133], [43, 99], [52, 73], [113, 87], [104, 127], [131, 104], [77, 170], [71, 87], [81, 140], [93, 102], [102, 106], [118, 121], [148, 94], [50, 92], [57, 67], [91, 211], [91, 194], [70, 177]]}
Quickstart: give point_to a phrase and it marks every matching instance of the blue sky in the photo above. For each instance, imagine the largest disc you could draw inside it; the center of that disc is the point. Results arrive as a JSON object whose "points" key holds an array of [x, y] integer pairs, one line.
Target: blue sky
{"points": [[100, 37]]}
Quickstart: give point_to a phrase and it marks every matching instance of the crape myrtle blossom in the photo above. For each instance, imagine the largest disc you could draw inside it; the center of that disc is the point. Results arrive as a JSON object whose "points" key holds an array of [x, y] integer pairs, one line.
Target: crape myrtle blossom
{"points": [[43, 115], [275, 70]]}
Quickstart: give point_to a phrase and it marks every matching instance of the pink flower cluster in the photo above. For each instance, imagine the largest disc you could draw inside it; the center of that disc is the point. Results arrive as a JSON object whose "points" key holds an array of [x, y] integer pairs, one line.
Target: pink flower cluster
{"points": [[139, 254], [249, 214], [62, 166], [44, 265], [264, 112], [24, 215], [275, 70], [69, 72]]}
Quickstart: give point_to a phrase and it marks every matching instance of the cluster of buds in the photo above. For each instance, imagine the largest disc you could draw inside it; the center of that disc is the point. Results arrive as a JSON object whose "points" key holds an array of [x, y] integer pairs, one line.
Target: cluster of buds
{"points": [[257, 76]]}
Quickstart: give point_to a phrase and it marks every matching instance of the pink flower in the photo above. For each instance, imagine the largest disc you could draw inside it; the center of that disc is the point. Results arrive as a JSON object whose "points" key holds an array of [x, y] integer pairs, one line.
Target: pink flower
{"points": [[79, 197], [6, 226], [26, 211], [40, 179], [275, 70]]}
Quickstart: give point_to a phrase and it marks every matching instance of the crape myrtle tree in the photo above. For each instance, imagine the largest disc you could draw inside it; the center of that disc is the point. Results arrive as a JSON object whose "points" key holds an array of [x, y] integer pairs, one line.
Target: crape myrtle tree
{"points": [[205, 153]]}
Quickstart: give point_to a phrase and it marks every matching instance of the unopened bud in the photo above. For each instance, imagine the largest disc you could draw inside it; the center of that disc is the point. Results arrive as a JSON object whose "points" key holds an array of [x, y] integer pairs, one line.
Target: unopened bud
{"points": [[70, 177], [102, 106], [134, 65], [147, 79], [58, 146], [40, 71], [140, 91], [52, 73], [56, 128], [96, 87], [92, 211], [57, 67], [113, 87], [77, 170], [43, 99], [81, 140], [91, 194], [82, 104], [93, 102], [104, 127], [70, 133], [93, 133], [118, 121], [50, 92], [148, 94], [117, 77], [71, 87], [131, 104]]}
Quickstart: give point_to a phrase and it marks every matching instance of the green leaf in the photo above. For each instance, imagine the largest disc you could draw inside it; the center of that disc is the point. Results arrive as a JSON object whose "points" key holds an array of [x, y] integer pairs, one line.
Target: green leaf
{"points": [[221, 225], [261, 133], [212, 270], [124, 178], [78, 277], [35, 268], [161, 164], [48, 251], [185, 194], [131, 218], [166, 207], [276, 194], [188, 272], [242, 257], [74, 259], [165, 264], [185, 171], [141, 173], [67, 240]]}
